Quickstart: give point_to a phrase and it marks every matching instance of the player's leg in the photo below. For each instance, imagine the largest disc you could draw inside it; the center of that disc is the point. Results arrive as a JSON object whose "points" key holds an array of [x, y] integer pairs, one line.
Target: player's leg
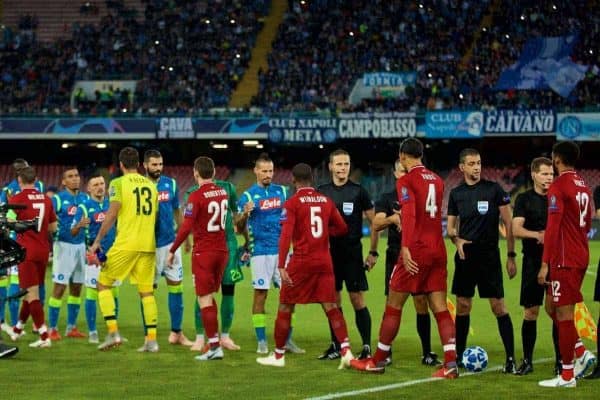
{"points": [[340, 330], [391, 257], [143, 274], [338, 258], [261, 281], [356, 285], [199, 342], [174, 277], [505, 328], [281, 333], [447, 331], [74, 299], [62, 268], [91, 299], [463, 286], [424, 330], [31, 273], [596, 373], [3, 295], [13, 289], [231, 276]]}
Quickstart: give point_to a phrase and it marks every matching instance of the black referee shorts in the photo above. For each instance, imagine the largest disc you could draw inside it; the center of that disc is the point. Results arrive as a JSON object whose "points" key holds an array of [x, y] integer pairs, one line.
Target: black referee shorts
{"points": [[481, 268], [348, 267], [597, 288], [391, 258], [532, 293]]}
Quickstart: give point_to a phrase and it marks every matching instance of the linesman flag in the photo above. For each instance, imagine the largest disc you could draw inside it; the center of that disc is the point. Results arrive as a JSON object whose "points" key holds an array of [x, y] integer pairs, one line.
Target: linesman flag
{"points": [[452, 310], [586, 327]]}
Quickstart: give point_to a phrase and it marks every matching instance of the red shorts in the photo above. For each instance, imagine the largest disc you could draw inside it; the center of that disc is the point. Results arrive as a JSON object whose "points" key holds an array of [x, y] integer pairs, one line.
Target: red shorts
{"points": [[309, 287], [32, 273], [432, 275], [207, 271], [565, 288]]}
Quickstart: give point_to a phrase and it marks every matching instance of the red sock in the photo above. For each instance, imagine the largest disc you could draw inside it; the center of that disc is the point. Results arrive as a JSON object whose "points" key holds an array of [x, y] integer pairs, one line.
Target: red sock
{"points": [[23, 316], [447, 335], [567, 337], [387, 332], [579, 347], [282, 331], [338, 325], [37, 314], [211, 325]]}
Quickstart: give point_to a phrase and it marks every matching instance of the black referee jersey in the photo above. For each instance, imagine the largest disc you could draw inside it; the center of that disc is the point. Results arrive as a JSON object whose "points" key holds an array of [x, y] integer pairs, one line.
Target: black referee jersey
{"points": [[534, 208]]}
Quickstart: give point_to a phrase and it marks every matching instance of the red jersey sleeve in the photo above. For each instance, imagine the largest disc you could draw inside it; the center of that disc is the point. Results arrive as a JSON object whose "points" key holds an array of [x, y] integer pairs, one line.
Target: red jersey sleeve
{"points": [[287, 220], [555, 214], [189, 215], [406, 198]]}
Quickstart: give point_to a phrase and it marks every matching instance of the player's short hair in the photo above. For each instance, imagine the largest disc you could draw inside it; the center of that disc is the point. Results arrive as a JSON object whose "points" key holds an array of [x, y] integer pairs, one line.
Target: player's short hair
{"points": [[412, 146], [19, 163], [27, 174], [302, 173], [95, 174], [338, 152], [567, 151], [205, 167], [465, 153], [152, 153], [129, 157], [263, 158], [69, 168], [537, 163]]}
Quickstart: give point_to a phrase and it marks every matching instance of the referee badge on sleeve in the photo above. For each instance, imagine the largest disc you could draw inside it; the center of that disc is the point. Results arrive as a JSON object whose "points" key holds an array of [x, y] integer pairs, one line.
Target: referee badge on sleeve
{"points": [[482, 207]]}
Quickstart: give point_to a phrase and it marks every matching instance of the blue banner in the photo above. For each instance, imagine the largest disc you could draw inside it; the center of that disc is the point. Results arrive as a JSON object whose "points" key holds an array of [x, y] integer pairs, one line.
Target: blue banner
{"points": [[453, 124], [578, 126], [378, 79], [82, 128], [303, 130], [544, 63], [525, 122]]}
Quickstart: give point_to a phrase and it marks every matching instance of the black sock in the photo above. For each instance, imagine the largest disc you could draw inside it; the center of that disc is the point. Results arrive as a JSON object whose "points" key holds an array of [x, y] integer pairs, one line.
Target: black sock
{"points": [[462, 330], [333, 337], [505, 327], [555, 341], [424, 331], [363, 323], [528, 336]]}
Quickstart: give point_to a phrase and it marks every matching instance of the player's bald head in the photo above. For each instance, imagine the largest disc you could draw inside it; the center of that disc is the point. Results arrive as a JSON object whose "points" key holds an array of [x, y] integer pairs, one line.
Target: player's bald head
{"points": [[302, 174]]}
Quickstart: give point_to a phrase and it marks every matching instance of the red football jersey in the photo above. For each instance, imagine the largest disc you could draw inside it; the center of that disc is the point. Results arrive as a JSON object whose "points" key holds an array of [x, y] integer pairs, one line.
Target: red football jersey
{"points": [[308, 219], [204, 216], [420, 194], [38, 205], [569, 221]]}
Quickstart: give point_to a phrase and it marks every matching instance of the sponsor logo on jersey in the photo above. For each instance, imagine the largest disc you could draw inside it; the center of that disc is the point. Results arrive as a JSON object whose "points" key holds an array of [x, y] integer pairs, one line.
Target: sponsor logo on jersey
{"points": [[72, 210], [99, 217], [404, 193], [347, 208], [483, 207], [270, 204], [188, 210], [163, 196]]}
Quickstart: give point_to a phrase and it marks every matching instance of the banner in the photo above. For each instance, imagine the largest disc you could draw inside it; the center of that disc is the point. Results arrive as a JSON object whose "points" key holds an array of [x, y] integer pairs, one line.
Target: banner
{"points": [[526, 122], [579, 126], [382, 84], [82, 128], [544, 63], [391, 125], [303, 130], [175, 128], [453, 124]]}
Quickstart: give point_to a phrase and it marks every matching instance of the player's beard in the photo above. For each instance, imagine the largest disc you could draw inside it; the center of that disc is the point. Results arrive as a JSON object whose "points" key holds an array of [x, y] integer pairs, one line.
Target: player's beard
{"points": [[154, 174]]}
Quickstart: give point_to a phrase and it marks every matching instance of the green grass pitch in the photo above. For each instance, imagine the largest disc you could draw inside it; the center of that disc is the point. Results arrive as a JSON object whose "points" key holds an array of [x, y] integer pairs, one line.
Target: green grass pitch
{"points": [[74, 369]]}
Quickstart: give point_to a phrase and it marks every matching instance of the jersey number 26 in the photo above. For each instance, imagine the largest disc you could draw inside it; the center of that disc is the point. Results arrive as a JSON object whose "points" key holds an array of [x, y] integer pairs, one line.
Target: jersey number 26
{"points": [[218, 213]]}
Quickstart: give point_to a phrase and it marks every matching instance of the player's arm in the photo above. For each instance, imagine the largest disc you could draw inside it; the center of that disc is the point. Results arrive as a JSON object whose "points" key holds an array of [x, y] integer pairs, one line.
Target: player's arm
{"points": [[367, 205], [245, 207], [288, 220], [109, 221], [409, 221], [520, 232], [551, 236], [337, 225], [80, 221], [506, 216]]}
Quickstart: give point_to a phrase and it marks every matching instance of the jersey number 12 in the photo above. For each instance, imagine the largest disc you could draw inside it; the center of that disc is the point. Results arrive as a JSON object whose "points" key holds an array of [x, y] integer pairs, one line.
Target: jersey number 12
{"points": [[584, 201]]}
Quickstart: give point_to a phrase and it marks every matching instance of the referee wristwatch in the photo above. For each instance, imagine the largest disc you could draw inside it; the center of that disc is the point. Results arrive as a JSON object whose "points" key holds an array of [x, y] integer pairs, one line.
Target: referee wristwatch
{"points": [[374, 253], [511, 254]]}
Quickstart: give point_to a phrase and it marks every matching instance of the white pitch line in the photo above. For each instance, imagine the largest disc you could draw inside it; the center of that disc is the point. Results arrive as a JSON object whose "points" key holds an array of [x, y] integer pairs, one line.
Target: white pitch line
{"points": [[404, 384]]}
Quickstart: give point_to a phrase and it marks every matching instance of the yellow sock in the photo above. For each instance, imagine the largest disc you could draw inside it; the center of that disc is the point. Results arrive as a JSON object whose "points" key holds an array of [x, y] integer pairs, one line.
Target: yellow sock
{"points": [[107, 307], [150, 316]]}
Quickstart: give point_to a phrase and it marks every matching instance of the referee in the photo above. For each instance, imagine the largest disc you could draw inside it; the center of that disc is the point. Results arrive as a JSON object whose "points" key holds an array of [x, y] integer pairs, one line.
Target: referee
{"points": [[387, 216], [352, 201], [529, 224], [596, 373], [474, 210]]}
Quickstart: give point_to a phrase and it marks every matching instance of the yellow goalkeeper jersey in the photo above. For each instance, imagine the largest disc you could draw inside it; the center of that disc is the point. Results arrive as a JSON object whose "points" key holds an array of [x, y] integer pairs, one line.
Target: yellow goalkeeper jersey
{"points": [[137, 215]]}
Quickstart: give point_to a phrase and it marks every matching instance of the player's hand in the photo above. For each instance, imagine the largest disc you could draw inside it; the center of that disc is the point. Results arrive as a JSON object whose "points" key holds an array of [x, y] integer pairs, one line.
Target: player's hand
{"points": [[540, 237], [94, 248], [85, 222], [92, 258], [248, 207], [187, 246], [459, 243], [541, 277], [285, 277], [411, 265], [370, 262], [511, 267], [170, 259], [395, 220]]}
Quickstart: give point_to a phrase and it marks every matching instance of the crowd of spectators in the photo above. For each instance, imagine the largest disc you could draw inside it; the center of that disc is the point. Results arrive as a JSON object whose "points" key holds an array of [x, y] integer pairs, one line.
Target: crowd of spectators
{"points": [[188, 56]]}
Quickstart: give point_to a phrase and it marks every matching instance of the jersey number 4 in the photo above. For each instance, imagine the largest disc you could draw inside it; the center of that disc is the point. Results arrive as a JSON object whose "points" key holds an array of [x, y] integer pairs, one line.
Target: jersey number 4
{"points": [[218, 214], [430, 204]]}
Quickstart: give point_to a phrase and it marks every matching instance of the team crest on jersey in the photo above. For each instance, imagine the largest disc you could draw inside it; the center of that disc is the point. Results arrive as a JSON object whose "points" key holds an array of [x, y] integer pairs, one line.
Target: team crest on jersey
{"points": [[404, 193], [188, 210], [483, 207], [99, 217], [111, 191], [72, 210], [163, 196], [270, 204], [347, 208]]}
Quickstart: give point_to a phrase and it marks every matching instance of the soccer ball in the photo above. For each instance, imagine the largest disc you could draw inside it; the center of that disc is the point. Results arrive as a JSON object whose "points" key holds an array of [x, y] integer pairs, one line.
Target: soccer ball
{"points": [[475, 359]]}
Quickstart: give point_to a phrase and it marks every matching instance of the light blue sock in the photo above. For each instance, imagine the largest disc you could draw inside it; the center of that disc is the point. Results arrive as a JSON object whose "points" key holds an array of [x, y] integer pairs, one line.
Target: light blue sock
{"points": [[53, 311], [3, 294], [91, 297], [13, 305], [176, 307], [73, 306]]}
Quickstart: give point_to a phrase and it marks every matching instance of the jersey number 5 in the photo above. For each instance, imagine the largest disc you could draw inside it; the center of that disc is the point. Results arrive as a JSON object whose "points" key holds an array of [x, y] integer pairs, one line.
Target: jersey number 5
{"points": [[217, 210], [584, 201], [430, 203], [143, 194], [316, 222]]}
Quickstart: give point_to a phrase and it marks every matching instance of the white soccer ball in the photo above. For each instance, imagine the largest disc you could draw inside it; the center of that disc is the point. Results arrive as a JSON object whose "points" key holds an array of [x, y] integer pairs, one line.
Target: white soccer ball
{"points": [[475, 359]]}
